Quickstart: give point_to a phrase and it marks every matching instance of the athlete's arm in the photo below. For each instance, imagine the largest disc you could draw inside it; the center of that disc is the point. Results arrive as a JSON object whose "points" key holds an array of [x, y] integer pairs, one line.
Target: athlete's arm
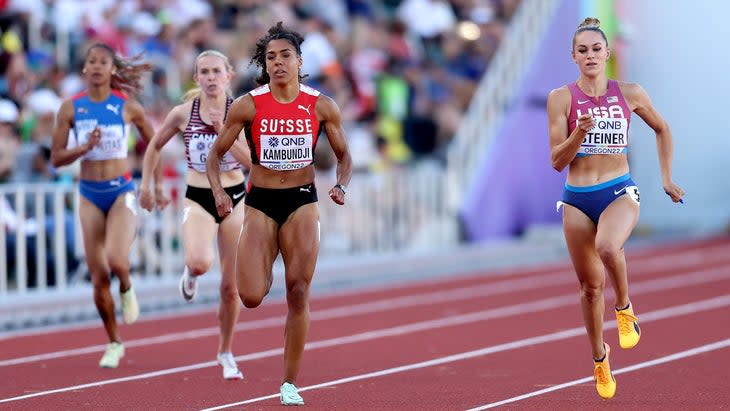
{"points": [[329, 114], [239, 114], [562, 149], [60, 155], [241, 152], [641, 104], [172, 124]]}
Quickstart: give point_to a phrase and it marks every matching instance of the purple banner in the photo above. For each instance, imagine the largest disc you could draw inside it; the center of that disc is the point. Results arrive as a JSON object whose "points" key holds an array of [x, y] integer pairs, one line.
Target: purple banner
{"points": [[515, 185]]}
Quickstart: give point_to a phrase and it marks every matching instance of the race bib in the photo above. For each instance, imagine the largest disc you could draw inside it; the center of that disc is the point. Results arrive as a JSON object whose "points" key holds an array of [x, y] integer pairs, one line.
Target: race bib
{"points": [[287, 152], [608, 136], [113, 142], [199, 147]]}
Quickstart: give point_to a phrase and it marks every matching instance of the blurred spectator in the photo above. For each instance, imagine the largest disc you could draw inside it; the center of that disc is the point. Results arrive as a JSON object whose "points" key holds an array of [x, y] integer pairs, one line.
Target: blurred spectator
{"points": [[9, 138]]}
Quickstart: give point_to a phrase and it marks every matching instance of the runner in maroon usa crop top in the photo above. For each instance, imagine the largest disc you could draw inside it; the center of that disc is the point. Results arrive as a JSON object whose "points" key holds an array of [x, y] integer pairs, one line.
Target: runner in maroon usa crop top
{"points": [[612, 118], [282, 136]]}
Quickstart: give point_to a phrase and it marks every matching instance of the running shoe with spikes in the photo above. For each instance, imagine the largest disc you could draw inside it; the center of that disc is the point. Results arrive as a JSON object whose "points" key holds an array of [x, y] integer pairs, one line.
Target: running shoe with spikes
{"points": [[230, 369], [290, 395], [629, 332], [130, 308], [188, 285], [605, 383], [114, 352]]}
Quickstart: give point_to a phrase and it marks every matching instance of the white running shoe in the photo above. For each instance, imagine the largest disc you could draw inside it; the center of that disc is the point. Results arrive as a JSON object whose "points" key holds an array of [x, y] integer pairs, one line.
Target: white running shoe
{"points": [[114, 352], [230, 369], [188, 285], [289, 395], [130, 308]]}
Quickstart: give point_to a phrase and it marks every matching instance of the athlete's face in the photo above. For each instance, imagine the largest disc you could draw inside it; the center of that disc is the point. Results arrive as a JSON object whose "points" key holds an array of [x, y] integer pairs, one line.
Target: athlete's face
{"points": [[212, 75], [282, 61], [590, 53], [99, 66]]}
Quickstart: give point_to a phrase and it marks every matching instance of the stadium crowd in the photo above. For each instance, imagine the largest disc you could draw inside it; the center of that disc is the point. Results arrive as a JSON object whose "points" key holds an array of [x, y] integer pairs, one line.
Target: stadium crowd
{"points": [[402, 71]]}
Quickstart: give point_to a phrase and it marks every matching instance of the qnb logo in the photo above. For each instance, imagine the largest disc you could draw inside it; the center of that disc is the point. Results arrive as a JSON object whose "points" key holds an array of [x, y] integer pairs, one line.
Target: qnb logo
{"points": [[273, 142]]}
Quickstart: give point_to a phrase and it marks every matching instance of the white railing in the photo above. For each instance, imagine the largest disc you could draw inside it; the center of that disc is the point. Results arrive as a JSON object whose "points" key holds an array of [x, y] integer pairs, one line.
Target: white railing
{"points": [[398, 211], [494, 93]]}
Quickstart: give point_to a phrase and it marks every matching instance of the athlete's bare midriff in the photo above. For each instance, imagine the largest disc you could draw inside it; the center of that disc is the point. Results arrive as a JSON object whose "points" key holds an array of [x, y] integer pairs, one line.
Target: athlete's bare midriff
{"points": [[596, 169], [228, 178], [267, 178], [103, 170]]}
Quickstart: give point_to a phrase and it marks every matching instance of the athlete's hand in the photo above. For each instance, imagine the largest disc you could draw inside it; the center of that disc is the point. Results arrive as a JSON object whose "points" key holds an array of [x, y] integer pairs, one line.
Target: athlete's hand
{"points": [[161, 199], [145, 199], [337, 195], [223, 203], [586, 122], [93, 139], [216, 118], [674, 191]]}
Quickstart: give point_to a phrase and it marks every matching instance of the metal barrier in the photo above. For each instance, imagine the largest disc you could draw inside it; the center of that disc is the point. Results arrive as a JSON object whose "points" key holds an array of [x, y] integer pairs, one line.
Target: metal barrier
{"points": [[400, 210]]}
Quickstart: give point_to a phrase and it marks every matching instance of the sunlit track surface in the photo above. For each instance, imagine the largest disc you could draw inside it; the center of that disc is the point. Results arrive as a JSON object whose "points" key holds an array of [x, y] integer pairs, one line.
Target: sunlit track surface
{"points": [[507, 339]]}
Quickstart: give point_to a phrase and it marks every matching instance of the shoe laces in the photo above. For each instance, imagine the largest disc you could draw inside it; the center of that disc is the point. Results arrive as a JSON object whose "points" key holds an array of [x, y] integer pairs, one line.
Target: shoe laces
{"points": [[600, 374], [227, 360], [625, 322], [289, 389]]}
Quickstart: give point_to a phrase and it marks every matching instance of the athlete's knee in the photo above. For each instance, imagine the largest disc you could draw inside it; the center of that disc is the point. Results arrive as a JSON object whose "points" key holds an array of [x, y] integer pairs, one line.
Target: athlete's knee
{"points": [[251, 300], [297, 294], [607, 250], [100, 286], [100, 279], [229, 293], [198, 265], [592, 290], [119, 264]]}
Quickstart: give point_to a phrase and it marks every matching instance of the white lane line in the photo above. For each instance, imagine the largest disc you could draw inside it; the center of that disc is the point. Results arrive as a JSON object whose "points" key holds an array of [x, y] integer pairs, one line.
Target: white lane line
{"points": [[651, 363], [561, 335], [457, 294], [464, 293], [690, 308], [640, 264]]}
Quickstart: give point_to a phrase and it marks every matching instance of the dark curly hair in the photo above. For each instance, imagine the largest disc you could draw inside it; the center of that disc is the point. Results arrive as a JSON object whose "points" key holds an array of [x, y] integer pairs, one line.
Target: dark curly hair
{"points": [[277, 32], [128, 76]]}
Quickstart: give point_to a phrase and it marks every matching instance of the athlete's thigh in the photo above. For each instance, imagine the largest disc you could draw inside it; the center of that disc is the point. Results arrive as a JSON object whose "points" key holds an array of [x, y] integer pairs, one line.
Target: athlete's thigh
{"points": [[94, 233], [121, 224], [618, 221], [229, 232], [257, 249], [199, 231], [299, 243], [580, 236]]}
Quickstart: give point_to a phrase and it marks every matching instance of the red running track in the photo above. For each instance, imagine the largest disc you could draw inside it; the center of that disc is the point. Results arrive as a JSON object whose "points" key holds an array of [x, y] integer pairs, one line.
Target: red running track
{"points": [[510, 339]]}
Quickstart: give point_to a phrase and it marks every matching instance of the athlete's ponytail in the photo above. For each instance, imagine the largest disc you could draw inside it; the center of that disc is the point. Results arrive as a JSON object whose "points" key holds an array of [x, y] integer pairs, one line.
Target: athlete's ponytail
{"points": [[592, 24], [127, 76]]}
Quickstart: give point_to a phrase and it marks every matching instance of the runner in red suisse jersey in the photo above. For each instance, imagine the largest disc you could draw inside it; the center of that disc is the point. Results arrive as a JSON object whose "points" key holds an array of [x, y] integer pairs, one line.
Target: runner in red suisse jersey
{"points": [[282, 120]]}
